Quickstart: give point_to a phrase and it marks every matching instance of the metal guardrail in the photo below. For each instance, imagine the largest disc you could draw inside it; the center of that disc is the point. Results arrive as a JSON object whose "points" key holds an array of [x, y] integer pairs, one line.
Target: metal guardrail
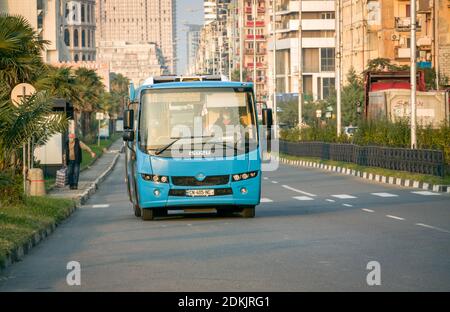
{"points": [[417, 161]]}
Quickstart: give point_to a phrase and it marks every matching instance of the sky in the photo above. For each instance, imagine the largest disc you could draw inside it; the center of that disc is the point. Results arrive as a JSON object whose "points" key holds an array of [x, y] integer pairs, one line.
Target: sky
{"points": [[188, 12]]}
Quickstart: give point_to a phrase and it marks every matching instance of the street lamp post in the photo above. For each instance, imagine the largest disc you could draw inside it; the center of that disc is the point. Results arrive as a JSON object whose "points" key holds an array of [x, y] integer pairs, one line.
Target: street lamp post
{"points": [[274, 83], [241, 40], [255, 15], [300, 65], [338, 68], [413, 75]]}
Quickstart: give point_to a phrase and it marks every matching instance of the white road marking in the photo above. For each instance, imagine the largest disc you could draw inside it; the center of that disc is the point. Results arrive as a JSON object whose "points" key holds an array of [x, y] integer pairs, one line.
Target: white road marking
{"points": [[302, 198], [343, 196], [330, 200], [347, 205], [266, 200], [367, 210], [426, 193], [394, 217], [432, 227], [384, 194], [266, 178], [298, 191], [100, 206], [274, 182]]}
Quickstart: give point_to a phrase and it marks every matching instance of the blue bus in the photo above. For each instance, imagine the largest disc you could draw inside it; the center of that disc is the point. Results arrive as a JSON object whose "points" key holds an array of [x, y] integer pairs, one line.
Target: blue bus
{"points": [[177, 156]]}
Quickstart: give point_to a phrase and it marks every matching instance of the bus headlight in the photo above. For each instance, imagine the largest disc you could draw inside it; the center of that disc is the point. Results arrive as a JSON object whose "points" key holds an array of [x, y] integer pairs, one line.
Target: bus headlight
{"points": [[244, 176], [155, 178]]}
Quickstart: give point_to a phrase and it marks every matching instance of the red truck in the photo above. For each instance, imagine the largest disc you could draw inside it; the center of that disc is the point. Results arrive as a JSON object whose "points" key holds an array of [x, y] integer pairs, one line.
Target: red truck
{"points": [[378, 81]]}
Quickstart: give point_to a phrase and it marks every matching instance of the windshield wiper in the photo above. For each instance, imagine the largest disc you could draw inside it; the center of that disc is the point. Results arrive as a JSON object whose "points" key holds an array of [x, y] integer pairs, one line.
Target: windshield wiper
{"points": [[176, 139]]}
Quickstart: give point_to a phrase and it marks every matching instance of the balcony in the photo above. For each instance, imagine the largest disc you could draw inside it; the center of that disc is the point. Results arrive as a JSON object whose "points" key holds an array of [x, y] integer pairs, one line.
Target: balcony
{"points": [[258, 24], [403, 24], [250, 10], [318, 24], [258, 65], [257, 37]]}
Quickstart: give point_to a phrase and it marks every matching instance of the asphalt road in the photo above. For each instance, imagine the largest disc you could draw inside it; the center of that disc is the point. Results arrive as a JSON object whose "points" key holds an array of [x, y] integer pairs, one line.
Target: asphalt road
{"points": [[314, 231]]}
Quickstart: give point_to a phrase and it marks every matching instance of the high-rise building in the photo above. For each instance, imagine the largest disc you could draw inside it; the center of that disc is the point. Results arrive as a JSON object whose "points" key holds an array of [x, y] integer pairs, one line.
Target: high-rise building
{"points": [[139, 21], [192, 43], [79, 29], [317, 41], [46, 17], [135, 61], [381, 29], [210, 11]]}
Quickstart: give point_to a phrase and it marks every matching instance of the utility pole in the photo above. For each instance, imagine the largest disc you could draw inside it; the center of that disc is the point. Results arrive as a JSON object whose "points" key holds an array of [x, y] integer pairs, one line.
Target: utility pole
{"points": [[413, 75], [300, 65], [338, 68], [274, 83], [255, 15], [436, 41], [241, 39]]}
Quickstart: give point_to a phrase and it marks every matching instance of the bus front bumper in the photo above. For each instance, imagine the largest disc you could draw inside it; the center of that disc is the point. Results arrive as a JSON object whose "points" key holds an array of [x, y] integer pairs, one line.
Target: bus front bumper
{"points": [[162, 195]]}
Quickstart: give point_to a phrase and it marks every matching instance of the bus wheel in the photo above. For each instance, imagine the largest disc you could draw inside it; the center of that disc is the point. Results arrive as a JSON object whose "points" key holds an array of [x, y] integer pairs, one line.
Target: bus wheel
{"points": [[137, 210], [248, 212], [147, 214]]}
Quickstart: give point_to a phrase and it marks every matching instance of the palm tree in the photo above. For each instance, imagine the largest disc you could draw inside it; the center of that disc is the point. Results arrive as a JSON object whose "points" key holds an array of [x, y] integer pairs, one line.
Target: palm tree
{"points": [[91, 90], [20, 51], [60, 83]]}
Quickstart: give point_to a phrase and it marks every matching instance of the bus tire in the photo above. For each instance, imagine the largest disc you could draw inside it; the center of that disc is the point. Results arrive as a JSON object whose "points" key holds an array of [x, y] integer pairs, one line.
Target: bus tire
{"points": [[147, 214], [137, 210], [248, 212]]}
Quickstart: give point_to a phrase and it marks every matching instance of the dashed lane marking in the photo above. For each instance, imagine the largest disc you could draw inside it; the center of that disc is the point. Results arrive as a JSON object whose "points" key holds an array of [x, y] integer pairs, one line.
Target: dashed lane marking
{"points": [[384, 194], [266, 178], [274, 182], [330, 200], [347, 205], [302, 198], [426, 193], [432, 227], [343, 196], [367, 210], [266, 200], [395, 217], [100, 206], [299, 191]]}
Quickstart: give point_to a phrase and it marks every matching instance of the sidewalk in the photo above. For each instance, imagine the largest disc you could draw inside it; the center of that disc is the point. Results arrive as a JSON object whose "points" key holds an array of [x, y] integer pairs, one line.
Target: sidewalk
{"points": [[91, 176]]}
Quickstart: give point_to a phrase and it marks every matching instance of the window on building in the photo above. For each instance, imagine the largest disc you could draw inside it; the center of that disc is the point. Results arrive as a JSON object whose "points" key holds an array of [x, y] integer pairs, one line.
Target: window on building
{"points": [[327, 87], [75, 38], [308, 86], [83, 58], [89, 38], [83, 38], [327, 15], [311, 60], [76, 58], [67, 37], [83, 13], [327, 59]]}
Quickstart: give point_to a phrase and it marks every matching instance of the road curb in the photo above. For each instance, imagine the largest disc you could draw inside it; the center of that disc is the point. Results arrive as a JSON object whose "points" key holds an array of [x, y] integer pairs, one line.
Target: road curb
{"points": [[368, 176], [19, 252]]}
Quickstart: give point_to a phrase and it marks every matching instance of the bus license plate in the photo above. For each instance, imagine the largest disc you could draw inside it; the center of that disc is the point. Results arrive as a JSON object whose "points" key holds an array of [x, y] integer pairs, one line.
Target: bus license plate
{"points": [[199, 193]]}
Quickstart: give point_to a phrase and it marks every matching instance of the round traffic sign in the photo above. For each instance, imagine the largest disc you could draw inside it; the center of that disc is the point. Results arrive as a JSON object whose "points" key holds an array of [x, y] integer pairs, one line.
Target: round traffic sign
{"points": [[21, 92]]}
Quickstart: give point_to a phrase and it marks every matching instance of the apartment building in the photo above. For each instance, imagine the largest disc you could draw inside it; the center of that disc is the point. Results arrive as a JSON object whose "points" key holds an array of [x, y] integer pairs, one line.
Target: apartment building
{"points": [[192, 44], [46, 17], [79, 29], [381, 29], [255, 35], [136, 61], [317, 41], [139, 22], [210, 11]]}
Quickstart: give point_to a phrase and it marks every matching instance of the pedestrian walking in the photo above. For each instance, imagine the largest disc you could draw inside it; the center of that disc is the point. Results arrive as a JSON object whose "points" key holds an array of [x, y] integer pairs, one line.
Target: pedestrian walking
{"points": [[73, 158]]}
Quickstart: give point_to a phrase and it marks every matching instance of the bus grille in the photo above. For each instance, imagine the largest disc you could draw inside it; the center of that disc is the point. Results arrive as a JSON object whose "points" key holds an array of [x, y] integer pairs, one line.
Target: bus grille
{"points": [[208, 181]]}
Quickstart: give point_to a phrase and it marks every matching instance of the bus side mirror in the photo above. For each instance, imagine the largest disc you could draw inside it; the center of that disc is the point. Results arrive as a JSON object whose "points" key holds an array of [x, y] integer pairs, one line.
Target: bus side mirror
{"points": [[128, 119], [128, 136], [267, 117]]}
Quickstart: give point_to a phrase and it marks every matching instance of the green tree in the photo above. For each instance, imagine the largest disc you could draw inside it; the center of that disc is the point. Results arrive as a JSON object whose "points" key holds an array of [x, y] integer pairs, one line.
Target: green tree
{"points": [[20, 51]]}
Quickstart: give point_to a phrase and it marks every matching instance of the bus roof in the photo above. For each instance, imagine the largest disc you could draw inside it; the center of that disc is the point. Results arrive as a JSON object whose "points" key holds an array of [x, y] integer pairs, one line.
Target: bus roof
{"points": [[199, 84]]}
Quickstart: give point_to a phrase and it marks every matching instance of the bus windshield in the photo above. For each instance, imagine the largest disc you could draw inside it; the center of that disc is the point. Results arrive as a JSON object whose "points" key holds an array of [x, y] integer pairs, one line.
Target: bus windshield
{"points": [[221, 116]]}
